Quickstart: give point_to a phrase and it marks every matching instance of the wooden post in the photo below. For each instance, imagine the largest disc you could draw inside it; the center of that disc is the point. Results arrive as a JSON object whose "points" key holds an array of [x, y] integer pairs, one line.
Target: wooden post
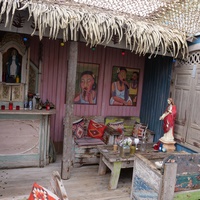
{"points": [[169, 181], [67, 160]]}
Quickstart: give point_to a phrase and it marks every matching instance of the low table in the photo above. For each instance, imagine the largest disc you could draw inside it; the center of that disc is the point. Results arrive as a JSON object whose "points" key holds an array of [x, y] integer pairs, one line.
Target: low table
{"points": [[112, 160]]}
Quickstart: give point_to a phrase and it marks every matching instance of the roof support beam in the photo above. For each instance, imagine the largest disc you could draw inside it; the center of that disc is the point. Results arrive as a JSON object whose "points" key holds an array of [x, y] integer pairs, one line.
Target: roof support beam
{"points": [[67, 160]]}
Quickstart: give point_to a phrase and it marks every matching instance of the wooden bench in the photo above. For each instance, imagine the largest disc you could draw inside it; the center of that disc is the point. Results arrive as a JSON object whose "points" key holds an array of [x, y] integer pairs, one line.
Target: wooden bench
{"points": [[179, 174], [88, 153], [128, 123]]}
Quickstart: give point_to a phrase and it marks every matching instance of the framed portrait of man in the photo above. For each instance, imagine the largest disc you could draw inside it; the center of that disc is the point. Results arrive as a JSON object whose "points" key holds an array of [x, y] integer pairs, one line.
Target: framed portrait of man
{"points": [[124, 86], [86, 83]]}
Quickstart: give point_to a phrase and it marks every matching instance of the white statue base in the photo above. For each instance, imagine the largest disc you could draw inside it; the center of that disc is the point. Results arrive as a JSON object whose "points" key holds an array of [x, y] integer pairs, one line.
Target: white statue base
{"points": [[168, 145]]}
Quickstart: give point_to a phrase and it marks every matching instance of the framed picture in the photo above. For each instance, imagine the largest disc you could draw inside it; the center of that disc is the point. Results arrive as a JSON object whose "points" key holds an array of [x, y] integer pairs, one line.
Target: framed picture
{"points": [[124, 86], [86, 83]]}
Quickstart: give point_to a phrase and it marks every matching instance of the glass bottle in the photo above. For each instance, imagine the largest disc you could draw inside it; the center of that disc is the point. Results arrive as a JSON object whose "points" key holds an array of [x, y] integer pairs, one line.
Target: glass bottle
{"points": [[47, 105], [17, 79], [143, 144]]}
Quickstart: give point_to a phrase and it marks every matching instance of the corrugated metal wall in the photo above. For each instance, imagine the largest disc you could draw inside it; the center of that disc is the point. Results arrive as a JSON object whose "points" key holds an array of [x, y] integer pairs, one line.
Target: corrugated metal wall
{"points": [[154, 94], [54, 75], [156, 85], [114, 58], [53, 78], [107, 58]]}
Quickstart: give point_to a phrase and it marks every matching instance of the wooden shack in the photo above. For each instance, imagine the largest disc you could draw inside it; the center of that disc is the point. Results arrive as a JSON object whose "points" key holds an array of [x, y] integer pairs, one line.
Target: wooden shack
{"points": [[52, 55]]}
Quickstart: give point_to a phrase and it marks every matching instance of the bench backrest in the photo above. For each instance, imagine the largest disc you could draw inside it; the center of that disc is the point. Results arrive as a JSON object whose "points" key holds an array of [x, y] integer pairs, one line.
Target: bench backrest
{"points": [[127, 121]]}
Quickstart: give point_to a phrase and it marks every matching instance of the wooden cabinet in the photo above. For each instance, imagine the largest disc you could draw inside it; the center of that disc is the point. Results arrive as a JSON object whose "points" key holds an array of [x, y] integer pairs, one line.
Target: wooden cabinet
{"points": [[14, 69], [12, 92], [185, 90], [24, 138]]}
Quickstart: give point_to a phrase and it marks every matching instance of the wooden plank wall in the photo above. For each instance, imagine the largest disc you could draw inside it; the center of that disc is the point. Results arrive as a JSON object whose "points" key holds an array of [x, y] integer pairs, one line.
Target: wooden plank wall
{"points": [[53, 79], [54, 73], [107, 58], [114, 58]]}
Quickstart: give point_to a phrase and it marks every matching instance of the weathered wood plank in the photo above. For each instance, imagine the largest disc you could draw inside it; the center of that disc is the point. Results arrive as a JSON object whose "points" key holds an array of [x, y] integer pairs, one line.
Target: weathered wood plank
{"points": [[67, 161], [85, 183], [115, 173], [102, 166], [169, 181], [57, 187], [187, 176], [187, 195], [146, 181]]}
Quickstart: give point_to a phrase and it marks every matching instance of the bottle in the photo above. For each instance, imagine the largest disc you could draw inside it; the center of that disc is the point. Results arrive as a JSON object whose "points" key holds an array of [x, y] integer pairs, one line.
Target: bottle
{"points": [[37, 101], [132, 150], [30, 104], [26, 105], [17, 79], [47, 105], [30, 101], [143, 145], [160, 147]]}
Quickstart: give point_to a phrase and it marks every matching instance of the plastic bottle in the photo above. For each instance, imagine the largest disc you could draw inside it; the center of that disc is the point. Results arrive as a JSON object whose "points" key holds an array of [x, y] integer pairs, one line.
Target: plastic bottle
{"points": [[160, 147]]}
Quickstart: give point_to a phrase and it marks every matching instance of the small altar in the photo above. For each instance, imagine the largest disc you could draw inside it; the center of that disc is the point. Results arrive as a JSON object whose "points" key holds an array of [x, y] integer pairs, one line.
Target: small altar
{"points": [[24, 138]]}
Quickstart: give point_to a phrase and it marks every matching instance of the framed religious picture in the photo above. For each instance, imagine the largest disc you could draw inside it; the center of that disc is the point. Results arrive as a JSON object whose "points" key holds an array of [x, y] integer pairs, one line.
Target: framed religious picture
{"points": [[86, 83], [124, 86]]}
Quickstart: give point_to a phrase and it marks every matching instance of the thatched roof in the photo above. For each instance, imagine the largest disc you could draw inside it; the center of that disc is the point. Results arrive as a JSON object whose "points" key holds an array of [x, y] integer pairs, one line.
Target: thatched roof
{"points": [[146, 25]]}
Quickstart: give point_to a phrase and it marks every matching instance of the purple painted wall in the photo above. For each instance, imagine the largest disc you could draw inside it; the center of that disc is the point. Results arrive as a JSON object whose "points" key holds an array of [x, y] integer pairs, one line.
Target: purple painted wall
{"points": [[54, 73]]}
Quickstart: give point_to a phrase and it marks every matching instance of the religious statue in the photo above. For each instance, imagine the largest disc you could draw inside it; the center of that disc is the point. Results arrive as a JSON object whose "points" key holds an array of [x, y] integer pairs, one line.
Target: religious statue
{"points": [[168, 118], [13, 67]]}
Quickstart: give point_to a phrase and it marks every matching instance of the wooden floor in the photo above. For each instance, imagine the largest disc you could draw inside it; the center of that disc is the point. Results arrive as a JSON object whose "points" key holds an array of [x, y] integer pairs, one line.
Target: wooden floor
{"points": [[84, 184]]}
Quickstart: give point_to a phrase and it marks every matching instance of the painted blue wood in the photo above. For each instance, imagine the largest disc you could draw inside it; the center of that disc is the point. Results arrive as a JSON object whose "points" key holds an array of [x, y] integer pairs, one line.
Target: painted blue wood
{"points": [[142, 190], [196, 41], [157, 77], [180, 147]]}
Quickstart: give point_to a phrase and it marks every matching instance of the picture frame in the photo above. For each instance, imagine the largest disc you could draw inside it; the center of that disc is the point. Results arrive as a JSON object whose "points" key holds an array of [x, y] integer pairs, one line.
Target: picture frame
{"points": [[86, 83], [124, 86]]}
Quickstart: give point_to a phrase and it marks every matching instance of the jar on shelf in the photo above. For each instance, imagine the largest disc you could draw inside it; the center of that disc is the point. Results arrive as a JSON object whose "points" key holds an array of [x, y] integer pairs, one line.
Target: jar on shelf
{"points": [[47, 105], [10, 106], [125, 151], [17, 79]]}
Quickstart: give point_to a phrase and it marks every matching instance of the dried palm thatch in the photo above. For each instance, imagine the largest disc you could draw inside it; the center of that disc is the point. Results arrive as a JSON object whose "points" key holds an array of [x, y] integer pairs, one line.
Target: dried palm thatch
{"points": [[147, 26]]}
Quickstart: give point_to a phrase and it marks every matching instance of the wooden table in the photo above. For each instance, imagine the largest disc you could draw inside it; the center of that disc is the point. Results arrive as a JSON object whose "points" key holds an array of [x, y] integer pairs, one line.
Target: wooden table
{"points": [[112, 160]]}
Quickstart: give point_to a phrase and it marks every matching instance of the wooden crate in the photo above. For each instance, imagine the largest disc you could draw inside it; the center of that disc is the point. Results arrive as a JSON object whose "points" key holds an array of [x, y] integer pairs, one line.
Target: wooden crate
{"points": [[180, 173]]}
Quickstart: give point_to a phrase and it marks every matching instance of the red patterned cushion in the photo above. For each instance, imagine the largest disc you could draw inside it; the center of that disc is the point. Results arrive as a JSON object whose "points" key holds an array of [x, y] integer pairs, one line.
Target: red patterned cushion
{"points": [[40, 193], [139, 130], [96, 130], [78, 128], [119, 126]]}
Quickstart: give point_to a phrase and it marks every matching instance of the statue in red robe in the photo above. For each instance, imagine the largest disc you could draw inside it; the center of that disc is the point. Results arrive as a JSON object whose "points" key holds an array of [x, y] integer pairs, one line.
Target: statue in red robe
{"points": [[168, 118]]}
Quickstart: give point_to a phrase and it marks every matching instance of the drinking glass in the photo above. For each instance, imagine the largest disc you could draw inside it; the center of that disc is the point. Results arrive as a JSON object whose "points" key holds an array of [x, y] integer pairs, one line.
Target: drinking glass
{"points": [[136, 141]]}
